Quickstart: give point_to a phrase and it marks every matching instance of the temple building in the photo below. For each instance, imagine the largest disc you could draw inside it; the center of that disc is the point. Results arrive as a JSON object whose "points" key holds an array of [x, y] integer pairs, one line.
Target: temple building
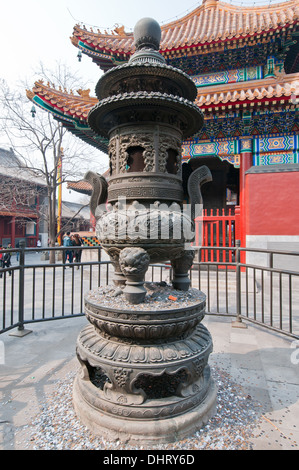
{"points": [[245, 64], [23, 203]]}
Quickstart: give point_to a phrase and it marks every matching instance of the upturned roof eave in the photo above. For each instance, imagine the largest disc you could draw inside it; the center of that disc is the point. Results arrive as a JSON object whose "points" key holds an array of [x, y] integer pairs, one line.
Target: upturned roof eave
{"points": [[65, 112], [253, 93]]}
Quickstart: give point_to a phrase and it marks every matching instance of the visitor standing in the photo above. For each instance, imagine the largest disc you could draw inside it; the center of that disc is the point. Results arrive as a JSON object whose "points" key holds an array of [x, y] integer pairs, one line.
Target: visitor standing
{"points": [[7, 259], [77, 242], [67, 254]]}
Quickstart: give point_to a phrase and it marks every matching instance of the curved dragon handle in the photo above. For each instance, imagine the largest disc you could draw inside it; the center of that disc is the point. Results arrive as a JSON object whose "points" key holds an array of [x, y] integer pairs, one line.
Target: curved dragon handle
{"points": [[197, 178], [99, 192]]}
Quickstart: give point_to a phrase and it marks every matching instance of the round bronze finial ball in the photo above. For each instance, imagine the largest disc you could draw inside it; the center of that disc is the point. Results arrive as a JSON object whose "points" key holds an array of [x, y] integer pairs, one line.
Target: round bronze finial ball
{"points": [[147, 33]]}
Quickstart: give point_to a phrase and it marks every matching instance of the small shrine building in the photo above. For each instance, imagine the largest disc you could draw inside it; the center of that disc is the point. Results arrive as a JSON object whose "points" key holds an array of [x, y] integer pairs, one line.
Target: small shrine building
{"points": [[245, 64]]}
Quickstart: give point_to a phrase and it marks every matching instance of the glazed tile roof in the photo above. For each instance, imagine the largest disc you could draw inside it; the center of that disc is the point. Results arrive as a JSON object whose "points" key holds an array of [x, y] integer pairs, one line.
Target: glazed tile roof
{"points": [[78, 106], [11, 166], [69, 108], [213, 21], [257, 90], [83, 186], [72, 109], [67, 103]]}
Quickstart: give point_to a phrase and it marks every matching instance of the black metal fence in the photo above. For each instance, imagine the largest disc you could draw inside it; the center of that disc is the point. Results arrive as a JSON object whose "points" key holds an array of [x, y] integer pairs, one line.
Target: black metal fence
{"points": [[260, 286], [263, 288]]}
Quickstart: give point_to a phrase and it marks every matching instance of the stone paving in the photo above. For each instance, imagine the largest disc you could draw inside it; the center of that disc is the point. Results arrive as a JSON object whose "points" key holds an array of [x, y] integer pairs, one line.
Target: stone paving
{"points": [[258, 373]]}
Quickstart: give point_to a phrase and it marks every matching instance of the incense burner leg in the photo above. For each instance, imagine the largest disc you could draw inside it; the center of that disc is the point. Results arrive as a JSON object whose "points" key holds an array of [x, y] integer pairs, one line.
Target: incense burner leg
{"points": [[118, 278], [181, 267], [134, 263]]}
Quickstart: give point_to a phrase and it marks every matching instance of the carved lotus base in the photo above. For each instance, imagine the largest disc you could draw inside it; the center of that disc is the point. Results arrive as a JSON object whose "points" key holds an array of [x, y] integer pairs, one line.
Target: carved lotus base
{"points": [[152, 392]]}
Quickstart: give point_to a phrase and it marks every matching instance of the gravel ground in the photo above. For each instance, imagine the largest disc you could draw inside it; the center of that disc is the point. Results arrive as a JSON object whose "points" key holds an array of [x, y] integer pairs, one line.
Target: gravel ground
{"points": [[159, 296], [232, 427]]}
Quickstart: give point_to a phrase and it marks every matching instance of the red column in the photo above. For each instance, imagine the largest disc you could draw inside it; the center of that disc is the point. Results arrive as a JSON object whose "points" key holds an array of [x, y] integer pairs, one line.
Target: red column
{"points": [[246, 161], [237, 223]]}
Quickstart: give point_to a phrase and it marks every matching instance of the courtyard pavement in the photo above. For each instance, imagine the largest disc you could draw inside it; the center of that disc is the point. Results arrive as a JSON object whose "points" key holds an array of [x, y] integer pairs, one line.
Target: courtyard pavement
{"points": [[264, 363]]}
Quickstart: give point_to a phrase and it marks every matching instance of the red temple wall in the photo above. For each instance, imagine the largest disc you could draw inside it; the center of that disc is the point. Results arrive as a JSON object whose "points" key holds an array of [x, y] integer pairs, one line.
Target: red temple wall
{"points": [[272, 203]]}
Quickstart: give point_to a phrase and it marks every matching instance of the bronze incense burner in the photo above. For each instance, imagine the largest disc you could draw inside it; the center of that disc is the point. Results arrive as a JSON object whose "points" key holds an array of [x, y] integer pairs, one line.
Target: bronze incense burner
{"points": [[145, 373]]}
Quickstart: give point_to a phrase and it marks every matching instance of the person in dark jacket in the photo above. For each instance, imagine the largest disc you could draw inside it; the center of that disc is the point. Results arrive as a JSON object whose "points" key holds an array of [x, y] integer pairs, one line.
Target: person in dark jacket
{"points": [[68, 254], [77, 242], [7, 259]]}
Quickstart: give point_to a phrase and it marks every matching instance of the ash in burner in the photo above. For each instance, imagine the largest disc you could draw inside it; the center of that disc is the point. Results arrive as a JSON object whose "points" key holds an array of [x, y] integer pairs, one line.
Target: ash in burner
{"points": [[163, 386]]}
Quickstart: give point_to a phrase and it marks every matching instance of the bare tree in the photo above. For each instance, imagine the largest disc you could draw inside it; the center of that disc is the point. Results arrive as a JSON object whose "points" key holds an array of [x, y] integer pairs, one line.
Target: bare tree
{"points": [[42, 144], [16, 193]]}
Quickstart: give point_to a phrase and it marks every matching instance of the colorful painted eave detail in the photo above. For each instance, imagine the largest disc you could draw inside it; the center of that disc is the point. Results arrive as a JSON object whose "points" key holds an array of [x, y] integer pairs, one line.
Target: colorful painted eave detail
{"points": [[211, 23], [279, 143], [266, 150], [228, 76], [273, 150]]}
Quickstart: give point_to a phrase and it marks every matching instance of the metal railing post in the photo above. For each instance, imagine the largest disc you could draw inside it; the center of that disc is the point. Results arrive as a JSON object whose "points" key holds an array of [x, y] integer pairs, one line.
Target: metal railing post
{"points": [[238, 322], [99, 265], [21, 330]]}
